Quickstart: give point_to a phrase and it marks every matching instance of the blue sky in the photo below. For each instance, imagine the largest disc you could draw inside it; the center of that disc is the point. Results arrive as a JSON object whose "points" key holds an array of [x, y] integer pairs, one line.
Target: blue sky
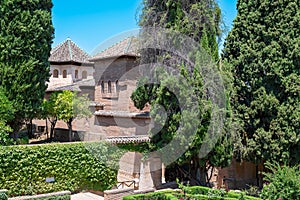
{"points": [[90, 22]]}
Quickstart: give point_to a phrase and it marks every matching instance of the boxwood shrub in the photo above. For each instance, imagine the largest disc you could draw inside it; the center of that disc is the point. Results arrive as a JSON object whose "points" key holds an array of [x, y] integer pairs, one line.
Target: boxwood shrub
{"points": [[74, 166], [192, 193]]}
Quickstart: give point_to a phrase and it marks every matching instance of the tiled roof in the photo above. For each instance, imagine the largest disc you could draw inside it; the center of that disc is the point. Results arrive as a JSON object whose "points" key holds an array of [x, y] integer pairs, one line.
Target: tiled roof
{"points": [[85, 82], [73, 88], [122, 114], [126, 47], [68, 51], [128, 139]]}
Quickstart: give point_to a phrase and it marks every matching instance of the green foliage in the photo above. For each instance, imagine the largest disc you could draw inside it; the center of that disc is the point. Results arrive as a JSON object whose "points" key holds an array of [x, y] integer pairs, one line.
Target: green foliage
{"points": [[26, 34], [64, 197], [68, 106], [6, 114], [49, 111], [283, 182], [75, 167], [4, 136], [6, 107], [193, 18], [200, 21], [3, 195], [263, 48], [192, 193]]}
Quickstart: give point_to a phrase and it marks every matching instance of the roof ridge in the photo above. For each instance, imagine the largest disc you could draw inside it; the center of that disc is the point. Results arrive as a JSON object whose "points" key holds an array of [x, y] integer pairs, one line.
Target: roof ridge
{"points": [[81, 49], [128, 45], [69, 39], [57, 46], [113, 45], [70, 49]]}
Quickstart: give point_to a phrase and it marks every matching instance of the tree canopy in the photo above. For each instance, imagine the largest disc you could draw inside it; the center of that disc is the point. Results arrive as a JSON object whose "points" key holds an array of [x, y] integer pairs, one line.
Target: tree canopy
{"points": [[69, 106], [181, 51], [26, 33], [264, 50], [49, 112], [6, 113]]}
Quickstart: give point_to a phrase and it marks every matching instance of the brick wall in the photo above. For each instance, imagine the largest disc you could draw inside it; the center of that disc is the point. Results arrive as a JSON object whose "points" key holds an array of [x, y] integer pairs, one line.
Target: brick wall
{"points": [[117, 194]]}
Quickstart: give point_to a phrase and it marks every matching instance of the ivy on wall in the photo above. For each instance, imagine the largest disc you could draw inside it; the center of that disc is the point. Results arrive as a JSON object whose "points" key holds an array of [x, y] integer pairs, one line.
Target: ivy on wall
{"points": [[74, 167]]}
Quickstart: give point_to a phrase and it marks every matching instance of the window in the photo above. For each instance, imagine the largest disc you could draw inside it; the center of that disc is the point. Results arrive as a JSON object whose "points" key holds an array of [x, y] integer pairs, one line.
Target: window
{"points": [[117, 86], [55, 73], [76, 74], [109, 87], [102, 86], [65, 74], [84, 75]]}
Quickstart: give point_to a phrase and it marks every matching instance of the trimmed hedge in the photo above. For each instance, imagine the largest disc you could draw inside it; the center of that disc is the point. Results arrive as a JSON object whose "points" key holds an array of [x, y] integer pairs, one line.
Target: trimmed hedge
{"points": [[75, 166], [64, 197], [191, 193]]}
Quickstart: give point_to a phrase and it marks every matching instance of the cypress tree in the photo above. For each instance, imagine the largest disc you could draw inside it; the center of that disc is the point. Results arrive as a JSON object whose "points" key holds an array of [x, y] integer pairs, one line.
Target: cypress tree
{"points": [[26, 34], [264, 50]]}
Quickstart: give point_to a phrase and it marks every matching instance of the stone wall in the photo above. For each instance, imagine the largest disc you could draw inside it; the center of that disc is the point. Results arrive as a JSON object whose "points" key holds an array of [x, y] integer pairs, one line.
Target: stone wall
{"points": [[60, 81], [117, 194], [238, 175], [130, 164]]}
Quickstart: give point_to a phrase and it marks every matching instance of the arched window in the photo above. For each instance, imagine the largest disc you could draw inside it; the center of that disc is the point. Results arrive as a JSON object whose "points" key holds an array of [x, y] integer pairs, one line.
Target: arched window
{"points": [[55, 73], [102, 86], [109, 87], [84, 75], [76, 74], [117, 86], [65, 74]]}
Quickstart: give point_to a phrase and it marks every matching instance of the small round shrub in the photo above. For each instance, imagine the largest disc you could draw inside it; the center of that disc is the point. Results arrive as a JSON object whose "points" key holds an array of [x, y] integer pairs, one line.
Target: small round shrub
{"points": [[283, 183]]}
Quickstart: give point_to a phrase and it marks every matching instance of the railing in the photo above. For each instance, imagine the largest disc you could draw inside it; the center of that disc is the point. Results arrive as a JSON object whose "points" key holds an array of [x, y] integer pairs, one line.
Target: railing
{"points": [[126, 184]]}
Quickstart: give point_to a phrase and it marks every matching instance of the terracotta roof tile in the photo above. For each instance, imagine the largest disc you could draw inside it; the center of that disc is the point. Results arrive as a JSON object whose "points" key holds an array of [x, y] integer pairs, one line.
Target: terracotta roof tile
{"points": [[68, 51], [122, 114], [128, 46], [128, 139], [73, 88]]}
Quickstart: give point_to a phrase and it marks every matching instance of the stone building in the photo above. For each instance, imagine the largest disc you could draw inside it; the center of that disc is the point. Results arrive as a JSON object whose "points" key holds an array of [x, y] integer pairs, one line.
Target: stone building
{"points": [[109, 78], [116, 76], [71, 70]]}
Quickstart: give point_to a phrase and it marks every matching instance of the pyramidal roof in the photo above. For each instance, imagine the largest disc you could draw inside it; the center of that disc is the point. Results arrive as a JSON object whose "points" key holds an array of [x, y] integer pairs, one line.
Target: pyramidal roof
{"points": [[126, 47], [67, 52]]}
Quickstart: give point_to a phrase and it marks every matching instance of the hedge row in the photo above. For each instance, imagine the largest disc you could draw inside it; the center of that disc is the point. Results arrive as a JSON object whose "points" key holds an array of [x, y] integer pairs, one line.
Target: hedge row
{"points": [[191, 193], [74, 166]]}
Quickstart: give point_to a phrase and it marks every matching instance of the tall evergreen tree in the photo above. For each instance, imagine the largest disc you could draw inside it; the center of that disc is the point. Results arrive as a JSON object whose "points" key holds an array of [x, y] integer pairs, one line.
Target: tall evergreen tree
{"points": [[26, 34], [181, 92], [264, 49]]}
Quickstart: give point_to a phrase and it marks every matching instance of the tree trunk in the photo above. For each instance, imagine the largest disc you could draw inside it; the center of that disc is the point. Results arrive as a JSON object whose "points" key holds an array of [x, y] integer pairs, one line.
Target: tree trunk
{"points": [[70, 130], [53, 123], [47, 133], [193, 171], [29, 129], [202, 170]]}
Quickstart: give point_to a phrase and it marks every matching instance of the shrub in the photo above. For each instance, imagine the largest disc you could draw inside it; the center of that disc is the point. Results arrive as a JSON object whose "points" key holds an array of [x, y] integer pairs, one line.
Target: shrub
{"points": [[283, 183], [197, 190], [161, 195], [192, 193], [3, 195], [75, 166]]}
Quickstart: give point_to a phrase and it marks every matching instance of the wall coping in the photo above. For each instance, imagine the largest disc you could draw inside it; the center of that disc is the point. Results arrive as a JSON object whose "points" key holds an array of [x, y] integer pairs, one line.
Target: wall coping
{"points": [[117, 191], [62, 193]]}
